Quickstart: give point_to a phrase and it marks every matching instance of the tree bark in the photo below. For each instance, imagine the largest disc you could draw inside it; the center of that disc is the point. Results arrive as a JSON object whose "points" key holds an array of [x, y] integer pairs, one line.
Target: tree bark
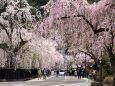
{"points": [[113, 70], [10, 63], [112, 60], [113, 77]]}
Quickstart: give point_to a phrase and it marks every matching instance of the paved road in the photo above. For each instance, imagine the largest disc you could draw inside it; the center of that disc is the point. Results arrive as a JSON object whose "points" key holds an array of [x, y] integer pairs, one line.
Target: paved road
{"points": [[52, 81]]}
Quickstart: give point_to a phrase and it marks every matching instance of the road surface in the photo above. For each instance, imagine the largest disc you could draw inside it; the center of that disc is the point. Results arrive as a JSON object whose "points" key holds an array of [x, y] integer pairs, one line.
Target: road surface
{"points": [[51, 81]]}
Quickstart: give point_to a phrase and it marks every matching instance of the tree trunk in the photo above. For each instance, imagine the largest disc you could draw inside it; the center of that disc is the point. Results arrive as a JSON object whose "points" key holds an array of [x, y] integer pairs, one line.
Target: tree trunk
{"points": [[113, 77], [113, 68], [10, 60]]}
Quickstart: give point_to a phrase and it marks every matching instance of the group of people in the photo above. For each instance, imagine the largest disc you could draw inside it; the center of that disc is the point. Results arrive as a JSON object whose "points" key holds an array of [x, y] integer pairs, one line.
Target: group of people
{"points": [[43, 73], [80, 72]]}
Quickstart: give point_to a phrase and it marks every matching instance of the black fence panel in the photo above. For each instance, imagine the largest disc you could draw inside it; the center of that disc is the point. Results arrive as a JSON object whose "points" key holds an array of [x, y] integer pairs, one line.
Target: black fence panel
{"points": [[18, 74]]}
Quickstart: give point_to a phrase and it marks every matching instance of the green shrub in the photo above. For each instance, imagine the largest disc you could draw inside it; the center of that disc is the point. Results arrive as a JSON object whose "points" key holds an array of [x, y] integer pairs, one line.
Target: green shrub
{"points": [[33, 10], [108, 80], [21, 3]]}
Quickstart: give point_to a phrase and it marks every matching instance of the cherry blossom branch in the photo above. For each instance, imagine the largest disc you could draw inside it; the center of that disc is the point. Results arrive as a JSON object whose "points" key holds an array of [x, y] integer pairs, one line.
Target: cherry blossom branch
{"points": [[89, 54], [21, 44], [94, 29], [3, 27]]}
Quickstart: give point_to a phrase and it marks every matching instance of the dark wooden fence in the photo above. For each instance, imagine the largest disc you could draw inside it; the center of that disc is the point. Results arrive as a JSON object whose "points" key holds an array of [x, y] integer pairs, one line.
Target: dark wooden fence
{"points": [[18, 74]]}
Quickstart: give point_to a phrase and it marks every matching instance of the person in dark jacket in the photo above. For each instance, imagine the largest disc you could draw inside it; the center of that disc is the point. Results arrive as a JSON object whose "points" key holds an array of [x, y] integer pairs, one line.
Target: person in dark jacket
{"points": [[79, 71], [44, 72]]}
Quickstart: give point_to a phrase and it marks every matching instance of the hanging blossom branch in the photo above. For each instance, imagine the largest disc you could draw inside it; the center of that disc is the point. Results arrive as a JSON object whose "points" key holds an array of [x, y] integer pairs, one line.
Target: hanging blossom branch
{"points": [[11, 26], [89, 53], [94, 29], [5, 46], [3, 27], [22, 42]]}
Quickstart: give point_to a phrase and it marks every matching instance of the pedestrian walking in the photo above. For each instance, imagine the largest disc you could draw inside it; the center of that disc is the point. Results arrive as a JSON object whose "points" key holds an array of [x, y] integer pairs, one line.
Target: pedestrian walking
{"points": [[48, 72], [94, 74], [82, 72], [79, 73], [39, 73], [44, 72], [87, 73], [57, 73]]}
